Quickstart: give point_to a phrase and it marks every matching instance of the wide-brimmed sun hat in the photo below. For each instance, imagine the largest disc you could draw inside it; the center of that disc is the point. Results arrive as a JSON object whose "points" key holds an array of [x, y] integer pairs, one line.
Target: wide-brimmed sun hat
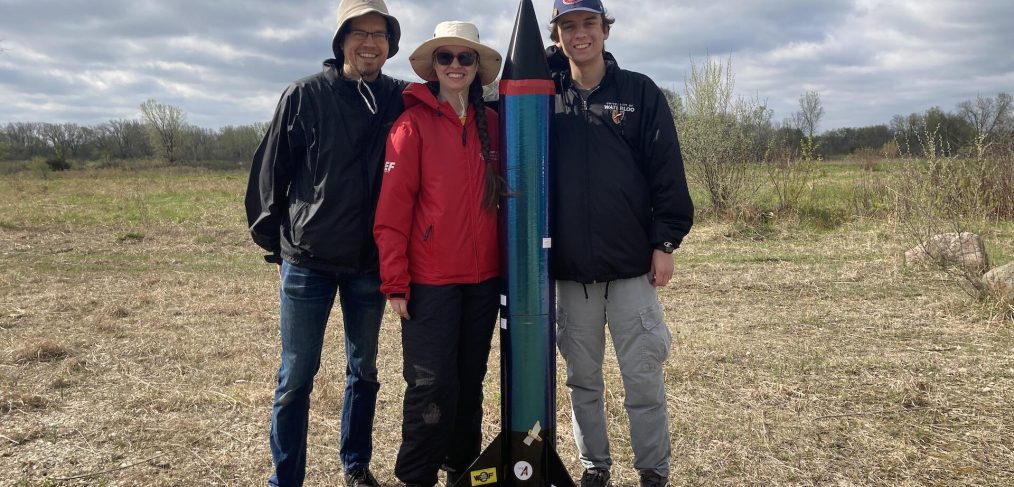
{"points": [[456, 33], [350, 9]]}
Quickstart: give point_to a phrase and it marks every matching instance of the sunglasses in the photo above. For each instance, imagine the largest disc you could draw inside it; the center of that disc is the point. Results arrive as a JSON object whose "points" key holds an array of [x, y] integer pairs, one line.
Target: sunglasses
{"points": [[466, 58]]}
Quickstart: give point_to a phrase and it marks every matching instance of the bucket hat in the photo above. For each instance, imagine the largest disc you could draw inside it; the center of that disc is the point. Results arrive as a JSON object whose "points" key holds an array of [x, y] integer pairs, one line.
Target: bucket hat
{"points": [[456, 33], [350, 9]]}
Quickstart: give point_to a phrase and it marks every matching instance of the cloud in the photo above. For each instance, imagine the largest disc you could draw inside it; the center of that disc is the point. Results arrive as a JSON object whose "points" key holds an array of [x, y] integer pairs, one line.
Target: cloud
{"points": [[226, 62]]}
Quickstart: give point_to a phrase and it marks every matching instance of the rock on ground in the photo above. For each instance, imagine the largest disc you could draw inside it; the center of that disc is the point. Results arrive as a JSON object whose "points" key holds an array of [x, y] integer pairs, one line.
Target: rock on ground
{"points": [[964, 249], [1001, 282]]}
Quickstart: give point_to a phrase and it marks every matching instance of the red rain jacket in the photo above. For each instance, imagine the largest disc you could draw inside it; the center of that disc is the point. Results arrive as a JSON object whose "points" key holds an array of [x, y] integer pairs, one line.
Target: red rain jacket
{"points": [[430, 226]]}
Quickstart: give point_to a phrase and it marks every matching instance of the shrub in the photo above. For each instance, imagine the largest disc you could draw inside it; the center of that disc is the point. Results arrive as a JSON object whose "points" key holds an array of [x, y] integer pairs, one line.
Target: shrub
{"points": [[790, 176], [716, 135], [870, 197], [57, 164]]}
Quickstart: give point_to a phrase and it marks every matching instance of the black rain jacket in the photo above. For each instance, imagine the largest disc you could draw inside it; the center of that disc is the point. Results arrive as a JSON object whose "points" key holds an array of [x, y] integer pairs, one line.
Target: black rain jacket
{"points": [[316, 175], [618, 185]]}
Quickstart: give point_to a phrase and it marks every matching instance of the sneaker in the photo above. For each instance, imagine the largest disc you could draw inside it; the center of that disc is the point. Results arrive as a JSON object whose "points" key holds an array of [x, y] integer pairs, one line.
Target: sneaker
{"points": [[360, 478], [652, 479], [594, 477]]}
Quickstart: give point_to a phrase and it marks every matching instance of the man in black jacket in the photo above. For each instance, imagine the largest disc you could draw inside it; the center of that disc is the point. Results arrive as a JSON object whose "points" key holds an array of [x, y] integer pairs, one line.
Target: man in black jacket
{"points": [[620, 207], [310, 202]]}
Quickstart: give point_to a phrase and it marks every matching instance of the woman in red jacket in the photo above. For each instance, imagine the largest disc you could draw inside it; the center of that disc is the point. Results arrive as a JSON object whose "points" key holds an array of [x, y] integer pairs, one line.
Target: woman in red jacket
{"points": [[436, 228]]}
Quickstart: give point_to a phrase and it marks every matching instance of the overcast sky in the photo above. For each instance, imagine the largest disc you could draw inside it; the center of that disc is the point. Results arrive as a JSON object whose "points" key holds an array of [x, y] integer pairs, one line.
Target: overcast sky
{"points": [[225, 62]]}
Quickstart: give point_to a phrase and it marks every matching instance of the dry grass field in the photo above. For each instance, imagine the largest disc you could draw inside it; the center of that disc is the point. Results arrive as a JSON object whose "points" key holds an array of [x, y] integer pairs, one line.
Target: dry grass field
{"points": [[138, 348]]}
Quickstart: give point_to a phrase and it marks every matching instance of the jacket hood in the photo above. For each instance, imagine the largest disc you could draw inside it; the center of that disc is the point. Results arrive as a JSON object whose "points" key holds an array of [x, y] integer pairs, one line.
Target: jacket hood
{"points": [[419, 94]]}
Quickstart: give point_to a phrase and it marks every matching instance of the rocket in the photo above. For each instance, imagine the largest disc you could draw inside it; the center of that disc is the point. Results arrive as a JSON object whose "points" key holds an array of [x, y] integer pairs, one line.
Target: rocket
{"points": [[524, 452]]}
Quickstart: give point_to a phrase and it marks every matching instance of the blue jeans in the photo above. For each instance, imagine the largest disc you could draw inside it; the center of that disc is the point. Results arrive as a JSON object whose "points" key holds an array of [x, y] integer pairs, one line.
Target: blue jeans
{"points": [[307, 297]]}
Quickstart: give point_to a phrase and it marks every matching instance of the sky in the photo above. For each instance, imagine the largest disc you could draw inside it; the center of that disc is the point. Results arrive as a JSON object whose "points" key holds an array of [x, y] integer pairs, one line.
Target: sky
{"points": [[225, 62]]}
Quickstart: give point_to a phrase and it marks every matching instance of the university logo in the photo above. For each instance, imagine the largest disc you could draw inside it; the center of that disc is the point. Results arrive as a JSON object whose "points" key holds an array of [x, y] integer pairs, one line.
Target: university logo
{"points": [[619, 110], [388, 167], [571, 2]]}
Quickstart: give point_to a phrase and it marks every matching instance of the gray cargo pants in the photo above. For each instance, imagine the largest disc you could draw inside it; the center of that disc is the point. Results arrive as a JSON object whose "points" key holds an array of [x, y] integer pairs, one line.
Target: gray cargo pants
{"points": [[642, 341]]}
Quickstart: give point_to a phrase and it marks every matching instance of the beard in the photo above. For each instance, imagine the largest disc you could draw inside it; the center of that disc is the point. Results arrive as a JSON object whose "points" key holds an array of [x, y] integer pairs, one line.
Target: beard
{"points": [[357, 68]]}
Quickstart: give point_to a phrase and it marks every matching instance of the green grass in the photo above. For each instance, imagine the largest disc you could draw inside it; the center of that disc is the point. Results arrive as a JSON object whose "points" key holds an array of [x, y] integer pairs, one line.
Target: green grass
{"points": [[149, 197]]}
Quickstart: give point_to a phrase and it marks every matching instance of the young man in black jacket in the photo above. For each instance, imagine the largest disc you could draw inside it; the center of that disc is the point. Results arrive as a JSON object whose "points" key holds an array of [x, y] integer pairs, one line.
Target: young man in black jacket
{"points": [[620, 207], [310, 202]]}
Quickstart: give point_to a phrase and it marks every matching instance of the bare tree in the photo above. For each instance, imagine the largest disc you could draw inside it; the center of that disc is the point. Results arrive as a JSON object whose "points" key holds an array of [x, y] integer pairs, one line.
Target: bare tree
{"points": [[166, 127], [811, 110], [24, 140], [65, 139], [122, 138], [987, 116], [238, 143]]}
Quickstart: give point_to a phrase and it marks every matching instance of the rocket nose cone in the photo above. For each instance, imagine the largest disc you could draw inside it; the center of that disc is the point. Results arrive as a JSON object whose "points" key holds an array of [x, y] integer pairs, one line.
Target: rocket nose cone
{"points": [[526, 56]]}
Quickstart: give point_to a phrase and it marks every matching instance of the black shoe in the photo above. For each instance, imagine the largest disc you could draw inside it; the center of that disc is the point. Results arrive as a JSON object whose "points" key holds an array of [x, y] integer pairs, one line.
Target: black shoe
{"points": [[360, 478], [652, 479], [594, 477]]}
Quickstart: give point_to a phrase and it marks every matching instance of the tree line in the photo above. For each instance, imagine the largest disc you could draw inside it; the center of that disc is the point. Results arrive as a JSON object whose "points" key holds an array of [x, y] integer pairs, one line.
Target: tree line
{"points": [[707, 114], [160, 132]]}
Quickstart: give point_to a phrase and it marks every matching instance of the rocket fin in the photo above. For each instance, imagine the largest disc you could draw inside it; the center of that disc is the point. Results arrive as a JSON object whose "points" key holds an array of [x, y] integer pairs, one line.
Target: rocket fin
{"points": [[488, 468], [558, 476]]}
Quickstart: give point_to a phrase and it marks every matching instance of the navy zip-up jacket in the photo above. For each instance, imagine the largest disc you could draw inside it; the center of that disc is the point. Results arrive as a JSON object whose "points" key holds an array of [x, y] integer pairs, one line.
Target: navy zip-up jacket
{"points": [[619, 189]]}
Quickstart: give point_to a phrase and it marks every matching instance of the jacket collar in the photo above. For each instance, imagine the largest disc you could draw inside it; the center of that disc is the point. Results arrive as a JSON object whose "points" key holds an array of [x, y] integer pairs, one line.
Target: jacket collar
{"points": [[420, 94], [333, 74]]}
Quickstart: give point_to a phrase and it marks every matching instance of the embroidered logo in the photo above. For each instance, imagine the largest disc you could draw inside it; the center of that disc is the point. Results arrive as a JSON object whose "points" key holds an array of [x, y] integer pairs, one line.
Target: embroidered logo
{"points": [[388, 167], [619, 110]]}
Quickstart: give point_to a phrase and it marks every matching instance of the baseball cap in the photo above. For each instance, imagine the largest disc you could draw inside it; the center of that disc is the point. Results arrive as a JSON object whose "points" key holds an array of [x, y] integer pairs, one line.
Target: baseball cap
{"points": [[561, 7]]}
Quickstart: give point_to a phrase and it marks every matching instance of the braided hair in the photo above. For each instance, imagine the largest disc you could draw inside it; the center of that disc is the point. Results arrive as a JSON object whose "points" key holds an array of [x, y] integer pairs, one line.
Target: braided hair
{"points": [[493, 184]]}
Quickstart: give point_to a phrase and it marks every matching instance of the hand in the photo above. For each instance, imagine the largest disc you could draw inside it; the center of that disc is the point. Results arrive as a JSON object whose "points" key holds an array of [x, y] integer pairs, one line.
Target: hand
{"points": [[400, 306], [661, 268]]}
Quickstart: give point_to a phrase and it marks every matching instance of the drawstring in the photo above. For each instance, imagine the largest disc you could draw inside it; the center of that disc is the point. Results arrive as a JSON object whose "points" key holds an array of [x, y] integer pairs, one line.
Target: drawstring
{"points": [[585, 287], [371, 102]]}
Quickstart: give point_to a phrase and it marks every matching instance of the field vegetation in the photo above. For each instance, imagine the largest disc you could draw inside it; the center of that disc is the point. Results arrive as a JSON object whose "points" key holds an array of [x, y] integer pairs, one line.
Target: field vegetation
{"points": [[138, 323], [138, 341]]}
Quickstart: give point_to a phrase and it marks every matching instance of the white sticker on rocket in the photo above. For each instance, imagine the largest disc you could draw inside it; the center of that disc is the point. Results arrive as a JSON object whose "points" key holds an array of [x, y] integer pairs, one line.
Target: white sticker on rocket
{"points": [[533, 434], [547, 243], [523, 470]]}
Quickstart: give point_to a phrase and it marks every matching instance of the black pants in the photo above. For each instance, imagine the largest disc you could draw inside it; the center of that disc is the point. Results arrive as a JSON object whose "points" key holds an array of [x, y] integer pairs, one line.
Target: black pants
{"points": [[445, 347]]}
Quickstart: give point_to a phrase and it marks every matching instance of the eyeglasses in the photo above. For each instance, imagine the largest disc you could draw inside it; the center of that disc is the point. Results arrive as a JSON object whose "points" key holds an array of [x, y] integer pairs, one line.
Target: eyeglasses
{"points": [[466, 58], [362, 35]]}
